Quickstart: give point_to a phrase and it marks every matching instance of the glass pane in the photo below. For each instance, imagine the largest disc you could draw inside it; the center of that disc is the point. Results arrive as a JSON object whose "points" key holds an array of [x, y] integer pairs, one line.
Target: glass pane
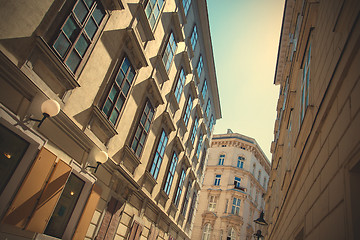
{"points": [[120, 77], [12, 149], [143, 119], [114, 116], [81, 11], [148, 11], [91, 28], [138, 132], [151, 114], [131, 75], [152, 21], [120, 103], [65, 207], [71, 29], [138, 151], [89, 3], [73, 61], [134, 144], [126, 88], [114, 91], [142, 139], [146, 110], [125, 65], [156, 12], [147, 125], [161, 2], [82, 45], [107, 107], [62, 45], [98, 14]]}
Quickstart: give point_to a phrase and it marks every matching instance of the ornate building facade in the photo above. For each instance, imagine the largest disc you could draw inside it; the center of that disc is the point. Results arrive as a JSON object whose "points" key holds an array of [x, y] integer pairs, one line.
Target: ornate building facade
{"points": [[236, 176], [313, 188], [133, 100]]}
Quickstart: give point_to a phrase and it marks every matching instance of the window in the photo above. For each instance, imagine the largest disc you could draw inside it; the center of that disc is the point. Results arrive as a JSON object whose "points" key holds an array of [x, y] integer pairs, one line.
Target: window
{"points": [[304, 99], [194, 130], [169, 52], [198, 147], [212, 203], [253, 170], [179, 187], [200, 66], [231, 234], [240, 163], [65, 206], [194, 38], [142, 129], [207, 110], [159, 155], [170, 175], [237, 182], [235, 209], [152, 11], [212, 122], [119, 91], [180, 85], [78, 32], [217, 180], [202, 162], [226, 205], [187, 197], [259, 175], [221, 159], [188, 110], [204, 90], [264, 182], [206, 232], [186, 5], [192, 206]]}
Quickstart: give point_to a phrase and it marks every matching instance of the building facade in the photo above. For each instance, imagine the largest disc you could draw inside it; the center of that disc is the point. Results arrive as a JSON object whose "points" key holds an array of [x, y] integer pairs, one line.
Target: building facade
{"points": [[236, 176], [313, 188], [136, 85]]}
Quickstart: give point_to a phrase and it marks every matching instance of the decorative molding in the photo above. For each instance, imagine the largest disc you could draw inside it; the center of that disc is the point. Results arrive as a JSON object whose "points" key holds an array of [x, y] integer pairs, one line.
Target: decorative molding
{"points": [[134, 45], [179, 33], [167, 120], [154, 92]]}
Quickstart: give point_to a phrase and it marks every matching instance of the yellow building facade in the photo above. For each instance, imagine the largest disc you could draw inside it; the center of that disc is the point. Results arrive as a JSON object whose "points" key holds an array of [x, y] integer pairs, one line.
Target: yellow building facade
{"points": [[106, 113], [232, 196], [313, 188]]}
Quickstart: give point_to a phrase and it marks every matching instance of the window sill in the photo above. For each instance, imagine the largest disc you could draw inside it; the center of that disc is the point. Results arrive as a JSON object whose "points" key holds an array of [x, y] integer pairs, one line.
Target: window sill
{"points": [[173, 101], [167, 120], [186, 62], [179, 33], [161, 68], [135, 47], [145, 23], [149, 181], [133, 160], [199, 111], [193, 89], [101, 126], [154, 92], [178, 144]]}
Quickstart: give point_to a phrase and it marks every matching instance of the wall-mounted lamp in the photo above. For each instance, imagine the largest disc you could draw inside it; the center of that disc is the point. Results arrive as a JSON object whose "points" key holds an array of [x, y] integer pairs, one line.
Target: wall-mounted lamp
{"points": [[258, 235], [49, 108], [100, 158], [261, 219]]}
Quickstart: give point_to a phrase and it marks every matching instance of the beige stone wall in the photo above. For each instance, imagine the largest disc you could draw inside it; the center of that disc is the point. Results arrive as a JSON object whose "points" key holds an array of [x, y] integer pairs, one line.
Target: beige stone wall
{"points": [[311, 190], [221, 218]]}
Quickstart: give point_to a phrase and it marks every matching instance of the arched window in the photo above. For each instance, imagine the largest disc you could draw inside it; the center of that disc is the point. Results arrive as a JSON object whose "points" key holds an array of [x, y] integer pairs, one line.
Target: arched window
{"points": [[206, 232], [231, 234]]}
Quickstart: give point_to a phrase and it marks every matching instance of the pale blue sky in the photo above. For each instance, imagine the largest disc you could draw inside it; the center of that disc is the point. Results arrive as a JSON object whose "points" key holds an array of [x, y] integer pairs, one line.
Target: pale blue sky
{"points": [[245, 37]]}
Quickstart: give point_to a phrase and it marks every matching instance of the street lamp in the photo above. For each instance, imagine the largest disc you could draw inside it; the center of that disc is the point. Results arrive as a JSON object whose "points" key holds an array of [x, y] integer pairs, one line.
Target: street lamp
{"points": [[49, 108], [258, 235], [100, 158], [261, 221]]}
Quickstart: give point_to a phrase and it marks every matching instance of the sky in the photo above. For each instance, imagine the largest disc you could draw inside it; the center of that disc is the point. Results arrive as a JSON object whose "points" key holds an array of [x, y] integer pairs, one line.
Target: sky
{"points": [[245, 38]]}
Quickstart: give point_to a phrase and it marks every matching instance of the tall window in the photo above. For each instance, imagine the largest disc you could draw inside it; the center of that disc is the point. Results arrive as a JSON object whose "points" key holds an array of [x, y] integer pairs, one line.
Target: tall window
{"points": [[179, 187], [187, 197], [170, 174], [207, 110], [206, 232], [78, 31], [159, 155], [186, 5], [192, 206], [152, 10], [237, 181], [221, 159], [212, 122], [142, 129], [194, 37], [240, 162], [304, 100], [198, 147], [217, 180], [169, 52], [212, 203], [188, 110], [194, 130], [200, 66], [231, 234], [119, 91], [235, 209], [180, 85], [204, 90]]}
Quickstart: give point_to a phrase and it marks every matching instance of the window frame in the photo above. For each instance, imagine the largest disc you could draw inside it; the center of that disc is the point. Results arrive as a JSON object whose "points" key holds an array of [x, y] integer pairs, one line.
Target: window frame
{"points": [[158, 154], [221, 159], [186, 198], [305, 82], [240, 162], [152, 11], [208, 107], [217, 180], [212, 203], [200, 66], [186, 5], [194, 38], [180, 83], [179, 187], [188, 109], [237, 182], [170, 173], [206, 233], [204, 90], [235, 206], [194, 130], [167, 63]]}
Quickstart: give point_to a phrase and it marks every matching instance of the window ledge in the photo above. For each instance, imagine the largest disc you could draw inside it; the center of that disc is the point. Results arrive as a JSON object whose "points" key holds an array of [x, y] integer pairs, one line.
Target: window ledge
{"points": [[164, 195], [177, 27], [178, 144], [199, 111], [182, 125], [101, 126], [186, 62], [167, 120], [154, 92], [135, 47], [66, 78], [186, 162], [203, 128], [145, 23], [128, 153], [182, 11], [174, 101], [196, 76], [193, 89], [161, 67], [149, 181], [189, 48]]}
